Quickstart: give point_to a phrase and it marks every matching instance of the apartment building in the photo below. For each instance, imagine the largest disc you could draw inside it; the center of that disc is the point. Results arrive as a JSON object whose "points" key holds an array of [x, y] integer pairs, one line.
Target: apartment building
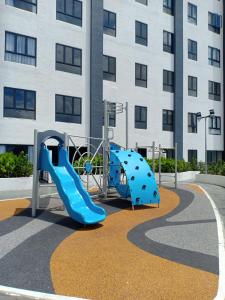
{"points": [[60, 59]]}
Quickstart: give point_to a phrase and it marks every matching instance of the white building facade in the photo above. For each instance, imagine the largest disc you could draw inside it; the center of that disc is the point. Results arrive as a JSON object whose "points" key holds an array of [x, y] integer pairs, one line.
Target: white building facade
{"points": [[60, 59]]}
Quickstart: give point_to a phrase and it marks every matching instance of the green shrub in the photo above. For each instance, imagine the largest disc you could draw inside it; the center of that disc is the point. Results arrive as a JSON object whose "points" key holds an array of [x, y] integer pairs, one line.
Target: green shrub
{"points": [[217, 168], [168, 165], [12, 165]]}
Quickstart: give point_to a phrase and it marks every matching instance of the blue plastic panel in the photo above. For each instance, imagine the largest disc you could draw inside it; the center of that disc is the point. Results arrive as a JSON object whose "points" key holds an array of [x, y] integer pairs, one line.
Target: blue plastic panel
{"points": [[141, 184], [77, 200]]}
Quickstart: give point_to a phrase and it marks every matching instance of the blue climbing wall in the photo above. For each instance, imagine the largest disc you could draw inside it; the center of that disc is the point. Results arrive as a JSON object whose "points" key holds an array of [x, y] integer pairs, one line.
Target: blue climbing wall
{"points": [[140, 185]]}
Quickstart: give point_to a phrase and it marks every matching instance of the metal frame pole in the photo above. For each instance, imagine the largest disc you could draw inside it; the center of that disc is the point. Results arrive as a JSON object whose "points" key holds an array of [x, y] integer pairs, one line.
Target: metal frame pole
{"points": [[206, 162], [176, 165], [127, 132], [153, 157], [105, 149], [159, 165], [35, 190]]}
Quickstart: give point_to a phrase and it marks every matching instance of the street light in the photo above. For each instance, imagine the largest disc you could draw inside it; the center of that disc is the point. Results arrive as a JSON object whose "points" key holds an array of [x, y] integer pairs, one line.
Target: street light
{"points": [[200, 117]]}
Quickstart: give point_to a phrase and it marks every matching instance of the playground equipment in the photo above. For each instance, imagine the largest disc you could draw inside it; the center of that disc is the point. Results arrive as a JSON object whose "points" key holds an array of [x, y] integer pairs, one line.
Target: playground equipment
{"points": [[88, 164], [127, 171], [139, 183], [76, 199]]}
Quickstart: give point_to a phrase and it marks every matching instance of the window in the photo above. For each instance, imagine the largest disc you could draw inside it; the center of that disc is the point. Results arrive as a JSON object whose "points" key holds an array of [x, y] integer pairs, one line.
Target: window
{"points": [[17, 149], [215, 22], [19, 103], [214, 56], [145, 2], [214, 91], [20, 48], [215, 125], [112, 114], [170, 153], [214, 156], [192, 155], [141, 33], [168, 81], [141, 75], [109, 26], [68, 59], [168, 6], [192, 50], [168, 42], [140, 117], [109, 68], [29, 5], [168, 120], [192, 13], [69, 11], [192, 86], [68, 109], [192, 123]]}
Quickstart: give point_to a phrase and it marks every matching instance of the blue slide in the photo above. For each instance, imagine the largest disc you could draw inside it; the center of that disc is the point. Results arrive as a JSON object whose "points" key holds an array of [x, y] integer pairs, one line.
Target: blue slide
{"points": [[76, 199]]}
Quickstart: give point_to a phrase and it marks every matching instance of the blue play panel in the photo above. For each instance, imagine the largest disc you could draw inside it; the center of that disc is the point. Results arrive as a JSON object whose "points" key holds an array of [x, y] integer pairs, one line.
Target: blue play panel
{"points": [[140, 185]]}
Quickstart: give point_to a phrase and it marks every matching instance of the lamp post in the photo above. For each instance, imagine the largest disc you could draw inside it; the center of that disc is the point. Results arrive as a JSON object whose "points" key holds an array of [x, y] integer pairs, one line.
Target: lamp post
{"points": [[200, 117]]}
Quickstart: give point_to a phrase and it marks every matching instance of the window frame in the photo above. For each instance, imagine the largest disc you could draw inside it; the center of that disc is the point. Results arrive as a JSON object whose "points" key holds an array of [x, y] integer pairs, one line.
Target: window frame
{"points": [[168, 125], [191, 126], [16, 109], [70, 18], [15, 52], [141, 81], [167, 8], [192, 155], [33, 5], [59, 64], [192, 10], [144, 2], [167, 87], [215, 95], [107, 72], [211, 59], [212, 26], [139, 123], [60, 114], [193, 55], [168, 47], [192, 86], [141, 39], [110, 30], [215, 125]]}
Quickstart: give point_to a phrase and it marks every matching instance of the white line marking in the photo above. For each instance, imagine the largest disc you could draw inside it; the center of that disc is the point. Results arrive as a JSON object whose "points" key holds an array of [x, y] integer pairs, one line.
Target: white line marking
{"points": [[221, 246], [33, 295]]}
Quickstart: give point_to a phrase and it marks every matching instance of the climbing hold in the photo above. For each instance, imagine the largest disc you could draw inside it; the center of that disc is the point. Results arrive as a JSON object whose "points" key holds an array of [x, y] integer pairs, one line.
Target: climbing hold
{"points": [[141, 159], [126, 162], [132, 178], [137, 168], [129, 155], [137, 199], [117, 171], [155, 194], [117, 151], [144, 187], [149, 174], [111, 178], [131, 150]]}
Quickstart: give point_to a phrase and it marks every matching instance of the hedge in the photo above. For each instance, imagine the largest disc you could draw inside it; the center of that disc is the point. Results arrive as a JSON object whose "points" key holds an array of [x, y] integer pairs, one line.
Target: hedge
{"points": [[12, 165]]}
